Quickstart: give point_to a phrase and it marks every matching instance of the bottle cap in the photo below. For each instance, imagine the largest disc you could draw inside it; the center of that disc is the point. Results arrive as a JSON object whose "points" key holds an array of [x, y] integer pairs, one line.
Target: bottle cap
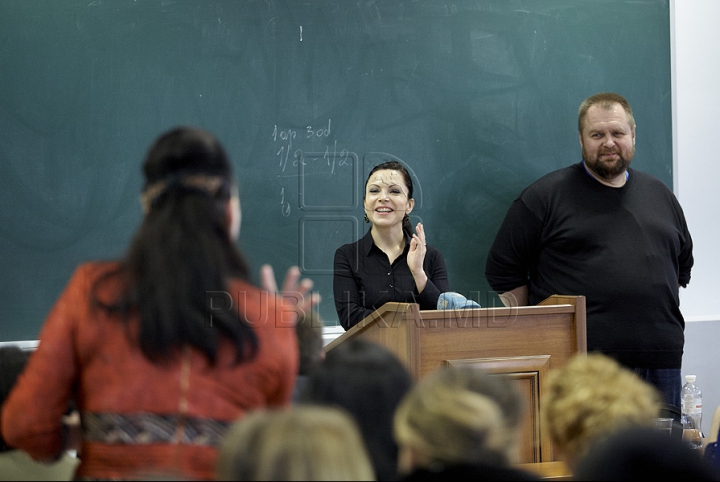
{"points": [[690, 378]]}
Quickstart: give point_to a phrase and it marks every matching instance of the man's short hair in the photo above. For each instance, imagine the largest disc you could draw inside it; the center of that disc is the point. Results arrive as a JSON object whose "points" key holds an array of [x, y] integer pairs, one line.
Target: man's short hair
{"points": [[605, 100]]}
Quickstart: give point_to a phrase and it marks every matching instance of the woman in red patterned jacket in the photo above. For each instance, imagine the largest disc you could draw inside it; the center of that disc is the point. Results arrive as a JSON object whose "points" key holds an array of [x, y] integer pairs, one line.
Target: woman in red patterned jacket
{"points": [[163, 350]]}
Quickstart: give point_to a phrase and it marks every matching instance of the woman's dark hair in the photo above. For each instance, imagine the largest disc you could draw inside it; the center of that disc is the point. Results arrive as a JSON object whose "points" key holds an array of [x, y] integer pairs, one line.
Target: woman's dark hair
{"points": [[12, 363], [396, 166], [368, 381], [182, 252]]}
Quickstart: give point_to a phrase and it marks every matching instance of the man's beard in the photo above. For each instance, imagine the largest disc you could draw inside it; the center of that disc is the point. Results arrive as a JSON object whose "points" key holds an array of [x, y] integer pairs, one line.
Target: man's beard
{"points": [[606, 170]]}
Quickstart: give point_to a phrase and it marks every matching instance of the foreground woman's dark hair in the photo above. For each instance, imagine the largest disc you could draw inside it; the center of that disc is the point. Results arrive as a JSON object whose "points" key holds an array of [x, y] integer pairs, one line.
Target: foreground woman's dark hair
{"points": [[182, 252]]}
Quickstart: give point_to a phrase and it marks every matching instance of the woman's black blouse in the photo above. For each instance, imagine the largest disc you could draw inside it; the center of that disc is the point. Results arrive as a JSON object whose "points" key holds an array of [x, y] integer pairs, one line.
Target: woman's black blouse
{"points": [[364, 280]]}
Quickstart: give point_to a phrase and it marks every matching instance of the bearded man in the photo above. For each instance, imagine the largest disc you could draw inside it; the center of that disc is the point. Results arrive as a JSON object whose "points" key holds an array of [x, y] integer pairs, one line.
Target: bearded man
{"points": [[616, 235]]}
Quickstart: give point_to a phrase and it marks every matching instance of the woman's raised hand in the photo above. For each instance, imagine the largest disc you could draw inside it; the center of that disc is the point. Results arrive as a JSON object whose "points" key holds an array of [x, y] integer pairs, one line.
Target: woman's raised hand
{"points": [[416, 257], [295, 292]]}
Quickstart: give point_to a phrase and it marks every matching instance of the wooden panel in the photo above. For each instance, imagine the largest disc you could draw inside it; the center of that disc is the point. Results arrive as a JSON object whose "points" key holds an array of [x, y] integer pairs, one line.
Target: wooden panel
{"points": [[580, 316], [529, 335], [528, 373]]}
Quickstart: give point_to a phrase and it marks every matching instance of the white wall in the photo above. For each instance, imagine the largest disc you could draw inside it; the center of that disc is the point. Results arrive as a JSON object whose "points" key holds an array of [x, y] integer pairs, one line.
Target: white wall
{"points": [[696, 107]]}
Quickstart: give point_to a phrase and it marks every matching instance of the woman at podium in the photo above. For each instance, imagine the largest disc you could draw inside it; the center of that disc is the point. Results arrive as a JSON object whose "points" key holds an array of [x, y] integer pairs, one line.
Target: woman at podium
{"points": [[390, 263]]}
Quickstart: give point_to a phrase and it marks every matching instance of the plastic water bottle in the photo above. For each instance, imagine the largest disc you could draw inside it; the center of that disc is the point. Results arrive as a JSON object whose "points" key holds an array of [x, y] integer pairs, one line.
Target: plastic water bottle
{"points": [[691, 409]]}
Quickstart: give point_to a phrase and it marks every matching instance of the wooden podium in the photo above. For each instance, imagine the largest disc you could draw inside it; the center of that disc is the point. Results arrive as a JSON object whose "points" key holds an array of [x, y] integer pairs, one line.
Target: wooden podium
{"points": [[520, 342]]}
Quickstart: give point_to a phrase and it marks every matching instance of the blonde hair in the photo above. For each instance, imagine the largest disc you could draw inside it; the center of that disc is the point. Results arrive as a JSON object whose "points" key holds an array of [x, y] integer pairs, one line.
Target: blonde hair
{"points": [[460, 415], [593, 397], [302, 443]]}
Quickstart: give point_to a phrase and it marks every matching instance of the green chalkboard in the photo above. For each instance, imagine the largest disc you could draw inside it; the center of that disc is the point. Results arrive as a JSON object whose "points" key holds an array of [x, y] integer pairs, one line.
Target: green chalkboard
{"points": [[477, 97]]}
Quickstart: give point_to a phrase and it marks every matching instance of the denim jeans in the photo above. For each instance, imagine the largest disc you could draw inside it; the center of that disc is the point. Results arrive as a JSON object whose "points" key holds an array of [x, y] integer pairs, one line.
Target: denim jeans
{"points": [[667, 380]]}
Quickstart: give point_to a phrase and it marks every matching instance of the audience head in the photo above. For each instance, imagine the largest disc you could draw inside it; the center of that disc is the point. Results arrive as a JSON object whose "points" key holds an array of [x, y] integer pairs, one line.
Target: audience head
{"points": [[592, 397], [183, 250], [188, 168], [367, 381], [458, 416], [642, 454], [304, 443], [12, 363]]}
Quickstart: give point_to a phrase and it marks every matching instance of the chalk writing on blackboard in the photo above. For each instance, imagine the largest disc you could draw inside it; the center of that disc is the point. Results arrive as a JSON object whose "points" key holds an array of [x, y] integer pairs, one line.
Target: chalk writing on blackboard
{"points": [[325, 161], [284, 205], [322, 132]]}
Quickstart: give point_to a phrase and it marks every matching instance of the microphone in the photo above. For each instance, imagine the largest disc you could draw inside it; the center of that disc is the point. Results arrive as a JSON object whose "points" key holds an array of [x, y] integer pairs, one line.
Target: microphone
{"points": [[455, 301]]}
